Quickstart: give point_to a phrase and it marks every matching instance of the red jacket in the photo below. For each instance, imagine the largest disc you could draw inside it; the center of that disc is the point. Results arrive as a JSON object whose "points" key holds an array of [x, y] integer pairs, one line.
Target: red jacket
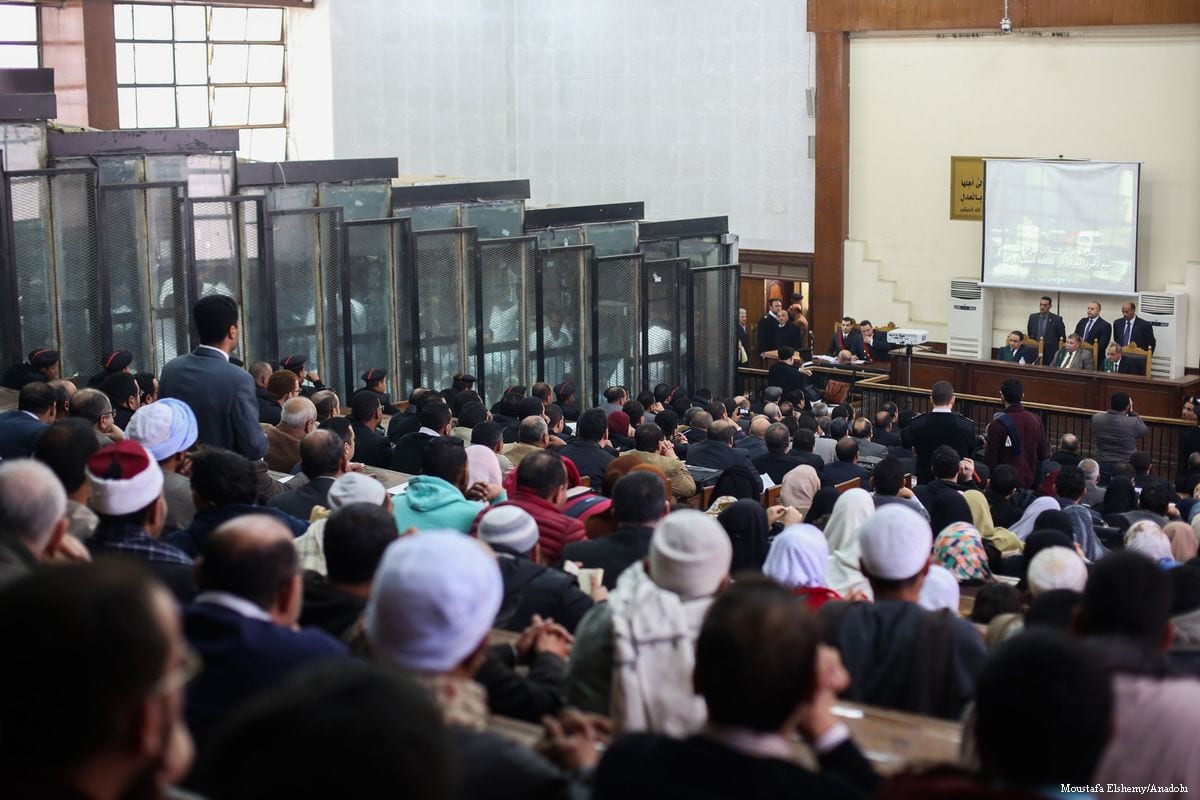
{"points": [[1032, 440], [555, 529]]}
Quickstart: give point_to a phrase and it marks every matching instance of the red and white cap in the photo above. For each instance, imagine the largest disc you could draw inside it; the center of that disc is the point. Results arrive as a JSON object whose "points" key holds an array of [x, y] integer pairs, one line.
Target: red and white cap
{"points": [[122, 478]]}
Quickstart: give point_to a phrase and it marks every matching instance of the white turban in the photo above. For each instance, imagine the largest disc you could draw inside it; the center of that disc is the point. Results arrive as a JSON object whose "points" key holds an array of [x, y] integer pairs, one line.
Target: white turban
{"points": [[435, 598]]}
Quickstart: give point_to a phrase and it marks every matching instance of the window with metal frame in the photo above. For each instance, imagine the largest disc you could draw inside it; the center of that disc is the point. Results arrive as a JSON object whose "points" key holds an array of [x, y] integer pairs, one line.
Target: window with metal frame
{"points": [[20, 36], [195, 66]]}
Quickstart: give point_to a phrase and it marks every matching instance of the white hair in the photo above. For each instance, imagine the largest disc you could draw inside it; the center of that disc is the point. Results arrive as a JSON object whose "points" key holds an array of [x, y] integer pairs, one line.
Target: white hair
{"points": [[32, 501], [298, 412]]}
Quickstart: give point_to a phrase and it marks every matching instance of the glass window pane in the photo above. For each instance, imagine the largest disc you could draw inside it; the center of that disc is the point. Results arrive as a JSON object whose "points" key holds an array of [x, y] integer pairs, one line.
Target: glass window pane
{"points": [[264, 24], [191, 63], [153, 63], [152, 22], [125, 63], [227, 25], [127, 108], [156, 107], [266, 105], [19, 23], [228, 63], [231, 105], [190, 23], [266, 64], [263, 144], [193, 106], [18, 55], [123, 20]]}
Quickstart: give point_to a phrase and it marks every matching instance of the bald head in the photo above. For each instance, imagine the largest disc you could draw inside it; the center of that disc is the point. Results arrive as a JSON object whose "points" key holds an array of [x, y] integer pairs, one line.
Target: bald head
{"points": [[759, 425], [252, 557], [322, 454], [722, 431]]}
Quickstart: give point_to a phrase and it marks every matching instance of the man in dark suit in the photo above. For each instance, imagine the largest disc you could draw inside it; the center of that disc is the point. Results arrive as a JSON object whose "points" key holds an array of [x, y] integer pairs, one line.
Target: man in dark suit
{"points": [[875, 345], [717, 451], [743, 337], [1047, 327], [753, 442], [20, 429], [370, 446], [846, 467], [243, 622], [941, 426], [847, 337], [1115, 361], [435, 421], [1017, 353], [639, 500], [769, 325], [221, 395], [407, 421], [778, 460], [322, 460], [788, 375], [1130, 329], [282, 385], [42, 366], [1093, 328], [589, 451]]}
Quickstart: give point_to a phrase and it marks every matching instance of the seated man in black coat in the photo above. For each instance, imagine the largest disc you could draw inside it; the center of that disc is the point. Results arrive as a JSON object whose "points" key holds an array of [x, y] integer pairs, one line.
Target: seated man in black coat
{"points": [[846, 467], [717, 451], [589, 450], [639, 501], [371, 447], [407, 421], [322, 460], [874, 344], [435, 421], [942, 497], [758, 663], [19, 429], [779, 460]]}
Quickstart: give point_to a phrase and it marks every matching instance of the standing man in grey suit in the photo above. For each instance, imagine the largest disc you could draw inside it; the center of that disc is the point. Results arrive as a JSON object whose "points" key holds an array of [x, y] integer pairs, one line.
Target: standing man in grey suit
{"points": [[1073, 356], [1047, 326], [220, 394]]}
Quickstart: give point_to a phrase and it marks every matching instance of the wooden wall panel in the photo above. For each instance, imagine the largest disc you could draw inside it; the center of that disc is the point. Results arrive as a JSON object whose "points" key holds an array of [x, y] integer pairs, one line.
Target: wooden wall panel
{"points": [[938, 15], [78, 44], [832, 212]]}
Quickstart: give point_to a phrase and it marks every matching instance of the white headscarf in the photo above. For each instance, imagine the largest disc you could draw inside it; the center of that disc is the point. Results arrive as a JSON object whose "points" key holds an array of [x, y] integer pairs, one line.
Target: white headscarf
{"points": [[851, 510], [940, 590], [1025, 525], [1146, 537], [798, 557]]}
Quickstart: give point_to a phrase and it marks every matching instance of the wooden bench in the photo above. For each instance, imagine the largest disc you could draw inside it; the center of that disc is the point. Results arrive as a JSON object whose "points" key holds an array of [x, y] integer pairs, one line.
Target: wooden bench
{"points": [[845, 486]]}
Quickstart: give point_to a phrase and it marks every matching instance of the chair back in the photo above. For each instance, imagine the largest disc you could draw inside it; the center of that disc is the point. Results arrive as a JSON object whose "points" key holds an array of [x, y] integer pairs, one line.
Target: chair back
{"points": [[845, 486], [1146, 355], [1039, 345]]}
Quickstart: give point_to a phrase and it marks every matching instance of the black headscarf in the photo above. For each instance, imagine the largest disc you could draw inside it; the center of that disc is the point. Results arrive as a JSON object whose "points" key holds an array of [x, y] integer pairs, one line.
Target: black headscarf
{"points": [[822, 505], [746, 523], [1054, 520], [1119, 497]]}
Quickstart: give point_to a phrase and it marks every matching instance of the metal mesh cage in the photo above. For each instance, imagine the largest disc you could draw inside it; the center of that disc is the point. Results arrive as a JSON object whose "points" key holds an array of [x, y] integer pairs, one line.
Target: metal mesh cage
{"points": [[702, 251], [306, 276], [226, 260], [616, 322], [660, 249], [381, 330], [446, 275], [55, 265], [359, 200], [566, 317], [508, 297], [495, 220], [713, 343], [664, 288], [144, 254]]}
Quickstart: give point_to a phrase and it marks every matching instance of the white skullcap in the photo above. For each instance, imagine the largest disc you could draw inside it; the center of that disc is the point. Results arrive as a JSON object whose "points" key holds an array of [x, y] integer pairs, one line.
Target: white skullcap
{"points": [[895, 543], [435, 598], [1056, 568], [354, 487], [940, 590], [509, 526], [165, 427], [689, 554]]}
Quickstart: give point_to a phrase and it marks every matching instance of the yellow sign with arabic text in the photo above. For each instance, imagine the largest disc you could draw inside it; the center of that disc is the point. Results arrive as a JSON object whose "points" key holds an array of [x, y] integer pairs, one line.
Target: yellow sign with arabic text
{"points": [[966, 187]]}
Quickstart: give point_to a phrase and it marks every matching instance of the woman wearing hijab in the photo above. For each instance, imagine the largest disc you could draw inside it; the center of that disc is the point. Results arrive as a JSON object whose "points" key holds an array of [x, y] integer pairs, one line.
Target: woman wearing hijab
{"points": [[798, 488], [1027, 523], [1147, 538], [1119, 497], [851, 510], [798, 559], [1185, 544], [822, 506], [959, 549], [940, 590], [1002, 539], [1084, 531], [619, 432], [482, 465], [746, 523], [1054, 519]]}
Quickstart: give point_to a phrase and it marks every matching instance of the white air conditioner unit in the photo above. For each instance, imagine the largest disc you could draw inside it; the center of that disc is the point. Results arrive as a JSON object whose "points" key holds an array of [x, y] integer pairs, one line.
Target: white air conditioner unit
{"points": [[1168, 313], [970, 320]]}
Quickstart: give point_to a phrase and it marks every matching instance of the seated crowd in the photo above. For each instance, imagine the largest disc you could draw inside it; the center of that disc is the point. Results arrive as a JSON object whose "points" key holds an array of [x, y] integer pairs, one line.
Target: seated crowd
{"points": [[663, 597]]}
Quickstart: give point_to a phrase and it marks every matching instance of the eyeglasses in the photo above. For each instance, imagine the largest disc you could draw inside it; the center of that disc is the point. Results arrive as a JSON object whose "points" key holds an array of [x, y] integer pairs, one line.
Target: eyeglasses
{"points": [[189, 667]]}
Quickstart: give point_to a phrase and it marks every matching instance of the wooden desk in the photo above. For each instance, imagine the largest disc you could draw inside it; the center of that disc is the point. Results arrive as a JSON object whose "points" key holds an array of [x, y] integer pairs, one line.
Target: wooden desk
{"points": [[1152, 397]]}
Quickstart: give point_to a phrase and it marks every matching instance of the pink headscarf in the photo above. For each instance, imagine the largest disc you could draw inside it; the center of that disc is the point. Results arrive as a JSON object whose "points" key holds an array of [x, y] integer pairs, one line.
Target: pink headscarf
{"points": [[482, 465]]}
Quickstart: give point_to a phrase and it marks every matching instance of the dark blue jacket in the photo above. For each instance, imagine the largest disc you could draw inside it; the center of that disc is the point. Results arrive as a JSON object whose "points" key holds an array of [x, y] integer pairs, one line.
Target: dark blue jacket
{"points": [[18, 434], [222, 397], [191, 539]]}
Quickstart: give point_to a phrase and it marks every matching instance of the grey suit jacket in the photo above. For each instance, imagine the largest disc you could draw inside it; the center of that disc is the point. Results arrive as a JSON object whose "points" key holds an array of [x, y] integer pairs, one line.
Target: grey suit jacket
{"points": [[222, 397], [1082, 360]]}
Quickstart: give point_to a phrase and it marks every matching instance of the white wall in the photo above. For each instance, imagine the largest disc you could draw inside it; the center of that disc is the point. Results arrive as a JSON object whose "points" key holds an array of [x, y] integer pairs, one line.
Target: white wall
{"points": [[696, 107], [1115, 95]]}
